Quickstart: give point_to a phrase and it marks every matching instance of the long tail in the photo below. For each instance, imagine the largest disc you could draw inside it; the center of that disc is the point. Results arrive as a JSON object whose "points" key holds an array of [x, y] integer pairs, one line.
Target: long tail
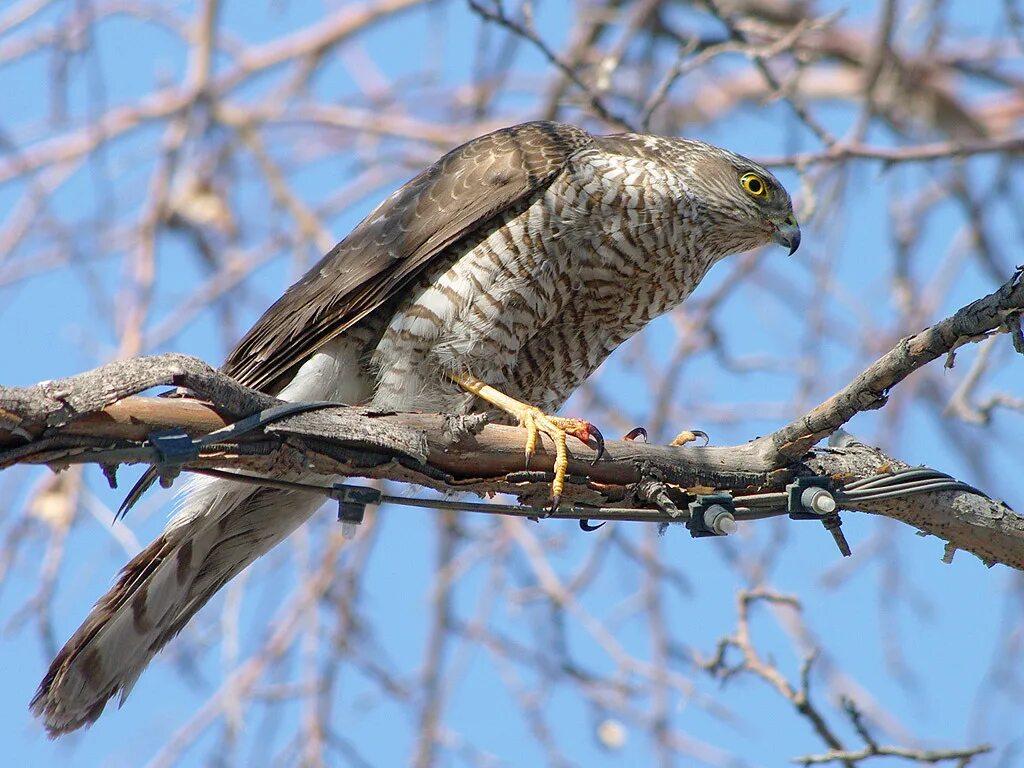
{"points": [[222, 527]]}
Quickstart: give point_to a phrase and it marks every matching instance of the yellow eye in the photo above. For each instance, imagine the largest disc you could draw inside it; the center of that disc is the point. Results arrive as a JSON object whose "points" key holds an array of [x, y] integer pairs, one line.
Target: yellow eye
{"points": [[754, 184]]}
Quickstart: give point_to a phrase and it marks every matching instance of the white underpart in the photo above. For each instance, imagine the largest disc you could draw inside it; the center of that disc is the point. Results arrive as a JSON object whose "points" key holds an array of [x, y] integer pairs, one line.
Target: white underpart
{"points": [[330, 374]]}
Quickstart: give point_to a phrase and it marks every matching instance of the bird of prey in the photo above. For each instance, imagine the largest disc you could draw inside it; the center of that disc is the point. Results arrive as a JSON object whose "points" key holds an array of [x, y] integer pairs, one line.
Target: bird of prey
{"points": [[499, 278]]}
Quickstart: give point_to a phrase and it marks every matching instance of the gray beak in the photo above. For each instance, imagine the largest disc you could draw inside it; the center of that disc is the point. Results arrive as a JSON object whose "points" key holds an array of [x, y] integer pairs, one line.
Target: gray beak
{"points": [[788, 234]]}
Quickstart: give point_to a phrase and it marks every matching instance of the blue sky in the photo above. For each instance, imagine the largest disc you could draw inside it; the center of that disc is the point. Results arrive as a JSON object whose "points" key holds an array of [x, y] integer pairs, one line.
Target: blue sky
{"points": [[917, 636]]}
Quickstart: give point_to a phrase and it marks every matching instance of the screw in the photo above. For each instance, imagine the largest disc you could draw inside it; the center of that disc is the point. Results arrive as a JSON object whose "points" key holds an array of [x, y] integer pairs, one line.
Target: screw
{"points": [[720, 520], [818, 500]]}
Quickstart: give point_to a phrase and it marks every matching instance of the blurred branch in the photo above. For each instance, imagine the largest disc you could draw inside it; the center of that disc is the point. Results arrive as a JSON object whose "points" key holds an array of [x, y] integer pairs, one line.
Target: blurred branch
{"points": [[778, 87], [871, 748], [751, 662], [942, 150], [525, 30], [168, 102]]}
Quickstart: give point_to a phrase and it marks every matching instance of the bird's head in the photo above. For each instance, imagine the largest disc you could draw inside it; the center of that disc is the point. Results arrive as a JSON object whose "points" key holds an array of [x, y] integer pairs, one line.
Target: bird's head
{"points": [[747, 204]]}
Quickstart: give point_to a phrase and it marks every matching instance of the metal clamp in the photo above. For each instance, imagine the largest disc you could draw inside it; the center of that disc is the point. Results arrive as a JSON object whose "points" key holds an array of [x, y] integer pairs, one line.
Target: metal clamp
{"points": [[812, 498], [712, 514], [174, 447], [352, 501]]}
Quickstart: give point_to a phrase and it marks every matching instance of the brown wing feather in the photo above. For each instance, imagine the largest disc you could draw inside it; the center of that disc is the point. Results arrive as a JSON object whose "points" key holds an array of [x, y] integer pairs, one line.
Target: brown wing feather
{"points": [[460, 192]]}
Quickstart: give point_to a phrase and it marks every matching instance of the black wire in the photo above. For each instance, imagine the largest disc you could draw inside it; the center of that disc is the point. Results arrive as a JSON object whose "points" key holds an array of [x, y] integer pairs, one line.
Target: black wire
{"points": [[904, 482], [900, 476], [910, 489], [262, 419]]}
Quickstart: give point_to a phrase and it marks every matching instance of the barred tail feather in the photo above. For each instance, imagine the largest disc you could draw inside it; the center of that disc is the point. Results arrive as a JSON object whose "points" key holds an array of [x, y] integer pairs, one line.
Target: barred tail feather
{"points": [[221, 528]]}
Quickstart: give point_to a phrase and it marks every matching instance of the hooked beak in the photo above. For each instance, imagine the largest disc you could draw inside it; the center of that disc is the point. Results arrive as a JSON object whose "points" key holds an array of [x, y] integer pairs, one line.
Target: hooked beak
{"points": [[788, 234]]}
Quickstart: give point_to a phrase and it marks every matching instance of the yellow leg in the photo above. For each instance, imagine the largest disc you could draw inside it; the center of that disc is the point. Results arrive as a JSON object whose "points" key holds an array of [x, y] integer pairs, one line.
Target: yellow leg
{"points": [[536, 421]]}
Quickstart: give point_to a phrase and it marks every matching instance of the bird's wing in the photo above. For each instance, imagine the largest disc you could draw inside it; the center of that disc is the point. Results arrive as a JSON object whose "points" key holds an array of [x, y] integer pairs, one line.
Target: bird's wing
{"points": [[459, 193]]}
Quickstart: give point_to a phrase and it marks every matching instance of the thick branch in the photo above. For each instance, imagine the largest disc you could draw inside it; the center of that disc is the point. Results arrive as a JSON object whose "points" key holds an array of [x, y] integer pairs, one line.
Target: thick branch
{"points": [[870, 390], [92, 417]]}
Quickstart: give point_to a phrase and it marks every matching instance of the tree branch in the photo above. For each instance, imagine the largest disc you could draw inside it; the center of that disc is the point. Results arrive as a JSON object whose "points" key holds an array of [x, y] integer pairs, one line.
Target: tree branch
{"points": [[95, 417], [998, 312]]}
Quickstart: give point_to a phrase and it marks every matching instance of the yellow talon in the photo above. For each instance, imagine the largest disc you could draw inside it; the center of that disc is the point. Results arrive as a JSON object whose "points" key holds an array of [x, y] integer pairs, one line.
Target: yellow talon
{"points": [[535, 421], [688, 436]]}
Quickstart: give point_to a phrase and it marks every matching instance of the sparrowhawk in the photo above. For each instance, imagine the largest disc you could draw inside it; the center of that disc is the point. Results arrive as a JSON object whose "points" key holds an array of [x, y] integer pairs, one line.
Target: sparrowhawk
{"points": [[501, 276]]}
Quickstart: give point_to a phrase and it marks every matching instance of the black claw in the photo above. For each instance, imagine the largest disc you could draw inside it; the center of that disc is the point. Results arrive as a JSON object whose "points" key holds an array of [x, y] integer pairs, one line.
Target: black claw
{"points": [[636, 432], [586, 526], [699, 433], [555, 501], [138, 490], [599, 439]]}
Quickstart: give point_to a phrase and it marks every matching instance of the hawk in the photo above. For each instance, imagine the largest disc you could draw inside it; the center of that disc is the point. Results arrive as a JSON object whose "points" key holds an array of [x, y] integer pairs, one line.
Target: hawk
{"points": [[498, 278]]}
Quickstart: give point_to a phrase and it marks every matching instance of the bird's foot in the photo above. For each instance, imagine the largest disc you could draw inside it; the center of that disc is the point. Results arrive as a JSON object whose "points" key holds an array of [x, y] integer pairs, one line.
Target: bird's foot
{"points": [[536, 422], [558, 428], [688, 436], [684, 437]]}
